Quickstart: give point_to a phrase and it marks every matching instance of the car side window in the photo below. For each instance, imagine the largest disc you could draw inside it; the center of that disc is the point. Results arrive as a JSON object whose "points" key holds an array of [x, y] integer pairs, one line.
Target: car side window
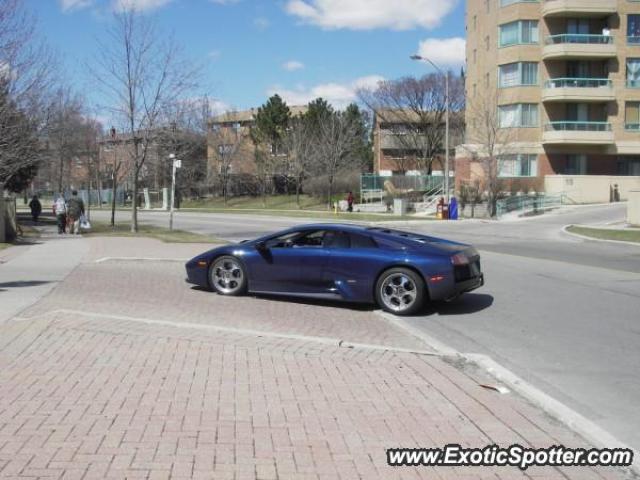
{"points": [[283, 241], [362, 241], [312, 239], [337, 239]]}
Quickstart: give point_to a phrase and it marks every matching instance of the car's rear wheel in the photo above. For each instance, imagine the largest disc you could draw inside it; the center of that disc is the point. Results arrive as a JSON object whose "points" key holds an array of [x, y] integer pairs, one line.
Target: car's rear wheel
{"points": [[227, 276], [400, 291]]}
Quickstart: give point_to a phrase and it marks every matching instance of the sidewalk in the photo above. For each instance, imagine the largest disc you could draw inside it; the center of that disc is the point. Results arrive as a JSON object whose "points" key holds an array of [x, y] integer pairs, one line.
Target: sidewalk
{"points": [[30, 272], [143, 377]]}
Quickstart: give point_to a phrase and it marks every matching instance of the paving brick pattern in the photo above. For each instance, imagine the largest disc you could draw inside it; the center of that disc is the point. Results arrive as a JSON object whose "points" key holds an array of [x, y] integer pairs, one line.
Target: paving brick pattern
{"points": [[157, 290], [97, 398]]}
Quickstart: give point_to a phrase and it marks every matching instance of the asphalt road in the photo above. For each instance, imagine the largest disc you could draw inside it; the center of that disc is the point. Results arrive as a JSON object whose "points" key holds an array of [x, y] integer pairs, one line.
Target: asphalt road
{"points": [[562, 313]]}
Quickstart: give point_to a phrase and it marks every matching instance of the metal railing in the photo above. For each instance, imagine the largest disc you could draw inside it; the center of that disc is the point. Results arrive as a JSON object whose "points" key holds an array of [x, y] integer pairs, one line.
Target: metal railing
{"points": [[578, 83], [633, 83], [579, 38], [634, 127], [526, 203], [633, 40], [574, 126]]}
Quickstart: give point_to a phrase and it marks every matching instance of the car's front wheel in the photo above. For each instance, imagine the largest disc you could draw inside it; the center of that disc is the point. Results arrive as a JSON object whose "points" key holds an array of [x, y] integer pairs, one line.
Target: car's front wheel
{"points": [[227, 276], [400, 291]]}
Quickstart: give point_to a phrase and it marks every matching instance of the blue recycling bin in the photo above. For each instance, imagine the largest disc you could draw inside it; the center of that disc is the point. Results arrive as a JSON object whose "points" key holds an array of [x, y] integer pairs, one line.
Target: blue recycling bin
{"points": [[453, 209]]}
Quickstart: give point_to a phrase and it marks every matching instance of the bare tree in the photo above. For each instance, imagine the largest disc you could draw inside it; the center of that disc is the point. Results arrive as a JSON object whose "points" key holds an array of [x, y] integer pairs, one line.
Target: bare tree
{"points": [[25, 75], [227, 147], [413, 109], [335, 152], [489, 139], [299, 143], [142, 72]]}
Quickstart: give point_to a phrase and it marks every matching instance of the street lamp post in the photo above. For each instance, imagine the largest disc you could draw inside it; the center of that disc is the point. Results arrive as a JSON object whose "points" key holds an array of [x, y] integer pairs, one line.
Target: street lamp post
{"points": [[175, 164], [446, 119]]}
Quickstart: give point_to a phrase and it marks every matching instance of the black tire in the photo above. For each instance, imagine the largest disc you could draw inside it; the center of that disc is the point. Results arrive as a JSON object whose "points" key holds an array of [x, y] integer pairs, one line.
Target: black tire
{"points": [[400, 291], [228, 276]]}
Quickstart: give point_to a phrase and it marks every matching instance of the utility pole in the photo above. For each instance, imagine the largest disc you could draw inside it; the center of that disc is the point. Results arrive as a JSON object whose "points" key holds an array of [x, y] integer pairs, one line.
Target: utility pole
{"points": [[175, 164], [446, 117]]}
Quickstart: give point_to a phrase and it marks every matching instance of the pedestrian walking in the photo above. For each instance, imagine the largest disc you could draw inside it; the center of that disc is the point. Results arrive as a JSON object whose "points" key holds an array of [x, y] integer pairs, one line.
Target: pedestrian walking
{"points": [[75, 209], [36, 208], [60, 211], [350, 199]]}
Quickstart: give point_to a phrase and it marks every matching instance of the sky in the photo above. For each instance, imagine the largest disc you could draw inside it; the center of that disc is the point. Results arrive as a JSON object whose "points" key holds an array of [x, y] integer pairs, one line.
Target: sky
{"points": [[251, 49]]}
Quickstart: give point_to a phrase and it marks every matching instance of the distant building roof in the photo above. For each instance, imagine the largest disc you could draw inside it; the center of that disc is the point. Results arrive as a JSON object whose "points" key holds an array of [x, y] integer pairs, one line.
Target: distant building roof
{"points": [[244, 116]]}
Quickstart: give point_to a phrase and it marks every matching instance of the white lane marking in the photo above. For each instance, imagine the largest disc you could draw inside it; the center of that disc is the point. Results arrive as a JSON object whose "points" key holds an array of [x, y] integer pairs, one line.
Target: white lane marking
{"points": [[139, 259], [240, 331]]}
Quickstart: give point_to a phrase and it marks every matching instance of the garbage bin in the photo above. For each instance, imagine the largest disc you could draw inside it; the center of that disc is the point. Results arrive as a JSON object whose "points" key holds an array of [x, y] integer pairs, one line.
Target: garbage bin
{"points": [[399, 206], [445, 212]]}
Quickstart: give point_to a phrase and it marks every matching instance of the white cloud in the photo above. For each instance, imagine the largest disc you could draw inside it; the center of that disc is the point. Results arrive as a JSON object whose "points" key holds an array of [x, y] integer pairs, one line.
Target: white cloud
{"points": [[370, 14], [70, 5], [140, 5], [293, 65], [443, 51], [337, 94]]}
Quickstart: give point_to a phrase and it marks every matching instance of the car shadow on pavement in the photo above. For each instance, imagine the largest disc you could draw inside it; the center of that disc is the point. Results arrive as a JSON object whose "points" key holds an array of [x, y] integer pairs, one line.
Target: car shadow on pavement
{"points": [[21, 284], [359, 307], [466, 304]]}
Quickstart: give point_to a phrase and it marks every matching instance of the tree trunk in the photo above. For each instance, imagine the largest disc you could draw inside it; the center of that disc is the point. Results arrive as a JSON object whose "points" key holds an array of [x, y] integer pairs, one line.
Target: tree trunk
{"points": [[3, 232], [298, 185], [330, 191], [60, 174], [113, 201], [134, 202]]}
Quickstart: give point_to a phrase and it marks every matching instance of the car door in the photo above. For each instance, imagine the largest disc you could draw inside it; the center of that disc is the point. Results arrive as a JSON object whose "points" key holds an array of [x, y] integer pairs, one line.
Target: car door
{"points": [[292, 263], [354, 261]]}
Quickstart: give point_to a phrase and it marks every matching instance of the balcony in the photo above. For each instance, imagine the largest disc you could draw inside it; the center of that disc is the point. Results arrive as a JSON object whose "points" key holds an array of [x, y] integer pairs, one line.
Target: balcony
{"points": [[572, 45], [579, 8], [577, 133], [578, 90]]}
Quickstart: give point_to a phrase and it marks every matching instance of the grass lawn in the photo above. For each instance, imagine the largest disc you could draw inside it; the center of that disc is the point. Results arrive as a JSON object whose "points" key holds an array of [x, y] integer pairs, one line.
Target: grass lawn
{"points": [[342, 216], [123, 229], [606, 234]]}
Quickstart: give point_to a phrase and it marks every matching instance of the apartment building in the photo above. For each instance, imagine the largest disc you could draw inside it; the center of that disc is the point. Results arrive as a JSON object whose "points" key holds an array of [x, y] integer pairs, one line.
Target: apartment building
{"points": [[399, 143], [229, 143], [564, 78]]}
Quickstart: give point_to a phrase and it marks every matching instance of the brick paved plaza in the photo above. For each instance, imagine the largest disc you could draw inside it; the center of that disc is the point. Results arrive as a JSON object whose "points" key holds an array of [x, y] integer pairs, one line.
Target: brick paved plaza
{"points": [[124, 371]]}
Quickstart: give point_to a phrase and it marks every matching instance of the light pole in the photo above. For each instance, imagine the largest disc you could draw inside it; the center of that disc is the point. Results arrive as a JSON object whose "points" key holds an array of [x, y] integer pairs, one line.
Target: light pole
{"points": [[175, 164], [446, 119]]}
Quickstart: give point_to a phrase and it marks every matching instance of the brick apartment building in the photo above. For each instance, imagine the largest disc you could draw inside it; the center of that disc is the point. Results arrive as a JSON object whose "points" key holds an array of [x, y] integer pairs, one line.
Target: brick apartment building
{"points": [[397, 143], [566, 77], [232, 130]]}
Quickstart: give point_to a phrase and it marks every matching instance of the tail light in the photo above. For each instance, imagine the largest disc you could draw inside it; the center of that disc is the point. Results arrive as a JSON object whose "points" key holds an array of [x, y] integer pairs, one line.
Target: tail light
{"points": [[460, 259]]}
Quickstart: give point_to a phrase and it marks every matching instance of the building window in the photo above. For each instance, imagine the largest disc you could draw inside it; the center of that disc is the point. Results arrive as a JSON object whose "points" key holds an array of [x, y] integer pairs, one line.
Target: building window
{"points": [[518, 115], [516, 74], [576, 164], [633, 72], [633, 29], [519, 32], [632, 116], [520, 165]]}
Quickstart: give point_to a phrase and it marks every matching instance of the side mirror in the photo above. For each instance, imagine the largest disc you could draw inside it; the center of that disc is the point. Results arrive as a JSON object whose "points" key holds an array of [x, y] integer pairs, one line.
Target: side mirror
{"points": [[261, 246]]}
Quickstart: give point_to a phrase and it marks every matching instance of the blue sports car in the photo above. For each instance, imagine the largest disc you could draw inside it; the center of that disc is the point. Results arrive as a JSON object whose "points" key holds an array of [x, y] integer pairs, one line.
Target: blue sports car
{"points": [[400, 271]]}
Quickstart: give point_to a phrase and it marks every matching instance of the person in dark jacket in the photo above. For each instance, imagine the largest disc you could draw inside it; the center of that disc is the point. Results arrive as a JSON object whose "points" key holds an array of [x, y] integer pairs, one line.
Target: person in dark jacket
{"points": [[36, 208], [350, 200], [75, 211]]}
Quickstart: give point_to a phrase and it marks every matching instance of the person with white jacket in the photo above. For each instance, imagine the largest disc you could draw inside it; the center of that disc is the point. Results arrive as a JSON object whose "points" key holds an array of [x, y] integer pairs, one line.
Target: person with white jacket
{"points": [[60, 211]]}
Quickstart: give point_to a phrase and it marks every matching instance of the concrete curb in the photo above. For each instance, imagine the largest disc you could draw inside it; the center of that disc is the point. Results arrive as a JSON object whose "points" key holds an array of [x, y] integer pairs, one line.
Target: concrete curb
{"points": [[584, 427], [565, 230]]}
